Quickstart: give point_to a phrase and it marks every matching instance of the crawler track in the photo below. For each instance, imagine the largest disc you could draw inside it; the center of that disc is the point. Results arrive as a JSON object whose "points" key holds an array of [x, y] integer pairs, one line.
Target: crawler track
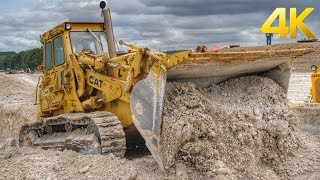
{"points": [[87, 133]]}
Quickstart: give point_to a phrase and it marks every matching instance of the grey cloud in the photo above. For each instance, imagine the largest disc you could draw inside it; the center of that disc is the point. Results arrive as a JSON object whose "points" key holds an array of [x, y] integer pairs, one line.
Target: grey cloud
{"points": [[165, 24], [211, 7]]}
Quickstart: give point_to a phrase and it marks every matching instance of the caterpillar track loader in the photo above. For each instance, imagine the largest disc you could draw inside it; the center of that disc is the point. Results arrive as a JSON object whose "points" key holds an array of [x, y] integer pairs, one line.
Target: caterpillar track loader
{"points": [[96, 100], [309, 110], [313, 101]]}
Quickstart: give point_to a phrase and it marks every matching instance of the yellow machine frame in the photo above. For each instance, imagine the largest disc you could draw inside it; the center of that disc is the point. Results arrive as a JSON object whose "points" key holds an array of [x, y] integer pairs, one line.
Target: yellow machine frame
{"points": [[115, 82]]}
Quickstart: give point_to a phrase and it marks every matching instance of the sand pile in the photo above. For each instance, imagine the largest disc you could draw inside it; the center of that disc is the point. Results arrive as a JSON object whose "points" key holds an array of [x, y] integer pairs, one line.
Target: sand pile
{"points": [[17, 100], [240, 128], [13, 116]]}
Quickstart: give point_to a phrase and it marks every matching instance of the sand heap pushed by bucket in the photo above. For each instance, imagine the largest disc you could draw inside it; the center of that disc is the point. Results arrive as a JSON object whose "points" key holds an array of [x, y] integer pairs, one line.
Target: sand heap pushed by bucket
{"points": [[239, 128]]}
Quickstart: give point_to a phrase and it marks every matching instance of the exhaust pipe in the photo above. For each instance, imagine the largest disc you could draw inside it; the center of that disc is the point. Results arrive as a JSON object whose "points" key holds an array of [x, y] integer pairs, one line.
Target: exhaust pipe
{"points": [[108, 30]]}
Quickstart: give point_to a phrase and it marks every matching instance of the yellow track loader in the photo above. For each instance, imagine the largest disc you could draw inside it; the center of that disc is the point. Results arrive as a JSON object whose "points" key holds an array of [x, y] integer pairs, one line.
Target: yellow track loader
{"points": [[314, 102], [315, 85], [96, 100]]}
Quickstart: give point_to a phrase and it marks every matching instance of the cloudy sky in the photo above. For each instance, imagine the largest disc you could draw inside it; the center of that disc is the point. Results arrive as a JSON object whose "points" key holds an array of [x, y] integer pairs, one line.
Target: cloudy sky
{"points": [[158, 24]]}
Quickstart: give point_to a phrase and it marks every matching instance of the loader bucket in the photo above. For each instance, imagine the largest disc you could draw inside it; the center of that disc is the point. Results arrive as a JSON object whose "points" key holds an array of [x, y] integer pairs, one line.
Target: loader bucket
{"points": [[207, 68], [146, 106], [204, 69]]}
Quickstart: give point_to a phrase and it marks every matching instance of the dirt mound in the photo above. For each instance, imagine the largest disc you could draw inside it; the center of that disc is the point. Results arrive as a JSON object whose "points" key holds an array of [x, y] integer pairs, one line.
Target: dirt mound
{"points": [[17, 100], [237, 128], [14, 116]]}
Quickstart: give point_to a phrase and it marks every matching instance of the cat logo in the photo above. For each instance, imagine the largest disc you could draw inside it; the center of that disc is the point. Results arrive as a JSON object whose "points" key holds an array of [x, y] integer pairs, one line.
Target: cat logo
{"points": [[95, 81]]}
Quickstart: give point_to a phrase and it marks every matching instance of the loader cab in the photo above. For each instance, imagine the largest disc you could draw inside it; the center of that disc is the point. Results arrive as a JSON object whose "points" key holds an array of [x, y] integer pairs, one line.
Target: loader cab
{"points": [[58, 45], [71, 38]]}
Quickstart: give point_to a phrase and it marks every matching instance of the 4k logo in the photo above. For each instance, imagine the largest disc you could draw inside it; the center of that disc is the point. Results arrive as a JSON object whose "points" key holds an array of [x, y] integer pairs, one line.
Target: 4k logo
{"points": [[295, 22]]}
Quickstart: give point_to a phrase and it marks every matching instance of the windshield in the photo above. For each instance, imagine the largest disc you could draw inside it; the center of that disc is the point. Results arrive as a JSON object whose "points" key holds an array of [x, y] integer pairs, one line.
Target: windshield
{"points": [[95, 41]]}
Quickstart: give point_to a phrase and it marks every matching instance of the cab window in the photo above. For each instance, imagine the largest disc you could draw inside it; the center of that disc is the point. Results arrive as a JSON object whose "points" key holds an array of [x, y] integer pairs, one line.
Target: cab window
{"points": [[94, 41], [58, 51], [48, 56]]}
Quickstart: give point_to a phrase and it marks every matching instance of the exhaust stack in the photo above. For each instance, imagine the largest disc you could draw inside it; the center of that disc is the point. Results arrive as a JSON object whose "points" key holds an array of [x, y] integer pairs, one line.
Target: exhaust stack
{"points": [[108, 30]]}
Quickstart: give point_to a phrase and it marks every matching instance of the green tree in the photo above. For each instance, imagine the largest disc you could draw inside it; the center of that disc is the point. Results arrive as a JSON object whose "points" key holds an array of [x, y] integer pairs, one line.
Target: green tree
{"points": [[24, 59]]}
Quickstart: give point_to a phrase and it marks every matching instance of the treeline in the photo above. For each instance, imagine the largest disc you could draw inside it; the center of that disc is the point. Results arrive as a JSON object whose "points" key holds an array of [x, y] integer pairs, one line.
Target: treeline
{"points": [[24, 59]]}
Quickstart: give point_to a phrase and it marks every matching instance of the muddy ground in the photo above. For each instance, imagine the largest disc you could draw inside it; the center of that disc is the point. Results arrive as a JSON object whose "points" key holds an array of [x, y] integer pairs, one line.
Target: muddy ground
{"points": [[292, 152]]}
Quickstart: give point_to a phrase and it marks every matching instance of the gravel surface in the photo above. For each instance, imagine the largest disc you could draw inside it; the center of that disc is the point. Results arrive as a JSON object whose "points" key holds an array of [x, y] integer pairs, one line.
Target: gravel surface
{"points": [[25, 163]]}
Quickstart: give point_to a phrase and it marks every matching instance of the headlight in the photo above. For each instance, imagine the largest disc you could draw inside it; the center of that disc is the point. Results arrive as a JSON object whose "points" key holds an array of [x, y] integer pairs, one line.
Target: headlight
{"points": [[68, 26], [314, 67]]}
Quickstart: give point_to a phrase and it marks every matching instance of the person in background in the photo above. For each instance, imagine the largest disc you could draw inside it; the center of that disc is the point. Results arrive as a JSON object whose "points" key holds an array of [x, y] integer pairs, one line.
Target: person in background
{"points": [[269, 38]]}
